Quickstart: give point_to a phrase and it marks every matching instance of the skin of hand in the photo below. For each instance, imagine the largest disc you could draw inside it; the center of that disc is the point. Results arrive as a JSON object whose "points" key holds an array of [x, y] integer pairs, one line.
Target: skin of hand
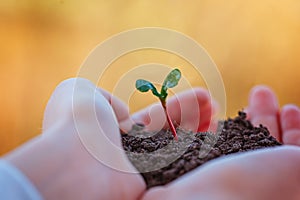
{"points": [[284, 123], [264, 174], [71, 170], [61, 167], [191, 109]]}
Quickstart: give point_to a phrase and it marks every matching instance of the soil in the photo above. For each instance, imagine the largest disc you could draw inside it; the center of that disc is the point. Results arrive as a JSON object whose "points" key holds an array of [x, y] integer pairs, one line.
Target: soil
{"points": [[160, 159]]}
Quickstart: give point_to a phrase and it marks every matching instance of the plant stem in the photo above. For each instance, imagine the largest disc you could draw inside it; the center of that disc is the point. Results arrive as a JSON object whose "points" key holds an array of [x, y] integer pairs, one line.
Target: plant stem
{"points": [[173, 130]]}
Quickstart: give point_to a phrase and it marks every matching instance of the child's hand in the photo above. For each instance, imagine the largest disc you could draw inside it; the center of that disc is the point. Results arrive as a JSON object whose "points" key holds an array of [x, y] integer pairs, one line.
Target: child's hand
{"points": [[284, 123]]}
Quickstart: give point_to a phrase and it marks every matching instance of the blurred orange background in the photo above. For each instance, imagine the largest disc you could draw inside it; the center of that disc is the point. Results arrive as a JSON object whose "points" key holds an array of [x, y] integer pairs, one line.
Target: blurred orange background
{"points": [[45, 42]]}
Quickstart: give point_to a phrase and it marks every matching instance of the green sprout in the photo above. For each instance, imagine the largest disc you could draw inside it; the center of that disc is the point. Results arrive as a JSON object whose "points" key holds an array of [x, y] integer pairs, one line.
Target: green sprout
{"points": [[170, 81]]}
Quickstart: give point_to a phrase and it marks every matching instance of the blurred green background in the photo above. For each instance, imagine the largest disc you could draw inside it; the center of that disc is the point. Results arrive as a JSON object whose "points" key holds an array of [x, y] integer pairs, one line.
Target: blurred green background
{"points": [[44, 42]]}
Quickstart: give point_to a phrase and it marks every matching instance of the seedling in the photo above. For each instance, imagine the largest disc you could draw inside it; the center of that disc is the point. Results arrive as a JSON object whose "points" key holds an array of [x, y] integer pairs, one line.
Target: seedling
{"points": [[170, 81]]}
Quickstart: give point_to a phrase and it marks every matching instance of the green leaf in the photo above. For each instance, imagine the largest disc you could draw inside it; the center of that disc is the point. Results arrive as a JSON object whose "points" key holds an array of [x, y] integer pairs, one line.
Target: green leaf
{"points": [[145, 86], [170, 81]]}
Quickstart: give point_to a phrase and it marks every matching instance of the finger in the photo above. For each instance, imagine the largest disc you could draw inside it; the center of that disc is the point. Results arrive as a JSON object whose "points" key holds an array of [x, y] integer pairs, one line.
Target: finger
{"points": [[77, 102], [61, 99], [213, 123], [290, 124], [158, 192], [192, 109], [79, 108], [59, 104], [121, 110], [263, 109]]}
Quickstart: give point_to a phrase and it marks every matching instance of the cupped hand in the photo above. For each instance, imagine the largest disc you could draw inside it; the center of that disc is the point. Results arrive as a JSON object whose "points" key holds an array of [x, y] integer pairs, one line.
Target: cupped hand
{"points": [[263, 174], [63, 165], [79, 154]]}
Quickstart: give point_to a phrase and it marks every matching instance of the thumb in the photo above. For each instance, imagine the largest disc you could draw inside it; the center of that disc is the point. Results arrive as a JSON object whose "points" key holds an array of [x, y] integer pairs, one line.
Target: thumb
{"points": [[82, 105]]}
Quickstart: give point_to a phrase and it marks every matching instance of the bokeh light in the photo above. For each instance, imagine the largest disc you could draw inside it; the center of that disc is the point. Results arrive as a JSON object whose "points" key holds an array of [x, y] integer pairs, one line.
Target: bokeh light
{"points": [[45, 42]]}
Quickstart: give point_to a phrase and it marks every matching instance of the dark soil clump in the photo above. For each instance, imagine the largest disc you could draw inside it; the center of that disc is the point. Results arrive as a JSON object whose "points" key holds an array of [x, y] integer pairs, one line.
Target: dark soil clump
{"points": [[160, 159]]}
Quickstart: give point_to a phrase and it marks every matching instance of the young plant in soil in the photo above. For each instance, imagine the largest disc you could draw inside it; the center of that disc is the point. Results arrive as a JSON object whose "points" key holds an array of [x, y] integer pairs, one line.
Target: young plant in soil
{"points": [[170, 81], [234, 136], [192, 149]]}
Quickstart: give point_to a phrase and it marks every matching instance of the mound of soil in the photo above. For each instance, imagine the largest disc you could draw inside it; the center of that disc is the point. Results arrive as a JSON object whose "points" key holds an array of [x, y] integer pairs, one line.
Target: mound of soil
{"points": [[160, 159]]}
